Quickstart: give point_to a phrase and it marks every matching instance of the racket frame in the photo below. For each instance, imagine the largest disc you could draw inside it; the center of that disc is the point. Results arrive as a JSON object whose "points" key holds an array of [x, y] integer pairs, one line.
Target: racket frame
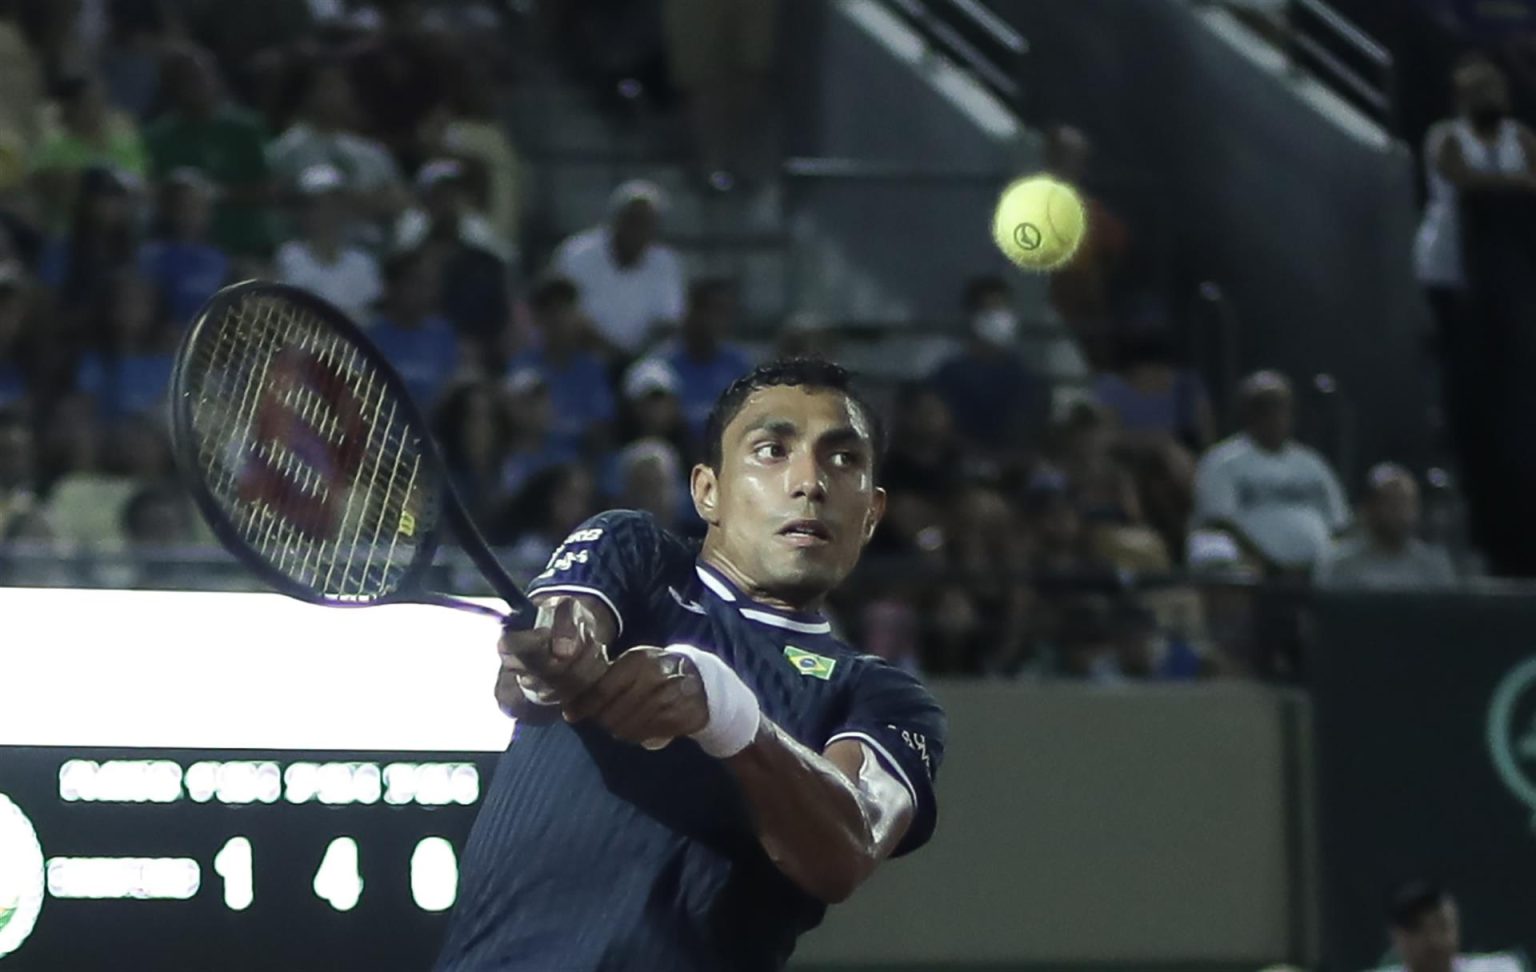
{"points": [[450, 507]]}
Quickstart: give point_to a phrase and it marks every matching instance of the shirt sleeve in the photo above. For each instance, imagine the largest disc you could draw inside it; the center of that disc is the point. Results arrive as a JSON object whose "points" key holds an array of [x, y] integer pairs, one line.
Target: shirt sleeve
{"points": [[893, 714], [614, 557], [1215, 492]]}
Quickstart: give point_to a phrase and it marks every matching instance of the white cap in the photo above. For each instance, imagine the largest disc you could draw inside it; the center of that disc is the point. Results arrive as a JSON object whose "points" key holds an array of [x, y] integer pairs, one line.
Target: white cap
{"points": [[647, 376], [438, 170], [637, 190], [318, 179], [525, 380]]}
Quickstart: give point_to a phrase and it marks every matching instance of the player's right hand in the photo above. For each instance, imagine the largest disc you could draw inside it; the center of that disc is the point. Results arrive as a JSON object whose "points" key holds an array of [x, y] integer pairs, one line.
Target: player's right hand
{"points": [[554, 661]]}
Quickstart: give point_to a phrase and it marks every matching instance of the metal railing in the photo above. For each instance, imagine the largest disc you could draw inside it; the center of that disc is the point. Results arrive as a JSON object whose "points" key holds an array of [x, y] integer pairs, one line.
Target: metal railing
{"points": [[975, 39], [1325, 42]]}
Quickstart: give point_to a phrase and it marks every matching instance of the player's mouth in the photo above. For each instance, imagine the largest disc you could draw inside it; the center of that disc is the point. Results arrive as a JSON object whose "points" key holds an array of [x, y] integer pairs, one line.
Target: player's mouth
{"points": [[806, 533]]}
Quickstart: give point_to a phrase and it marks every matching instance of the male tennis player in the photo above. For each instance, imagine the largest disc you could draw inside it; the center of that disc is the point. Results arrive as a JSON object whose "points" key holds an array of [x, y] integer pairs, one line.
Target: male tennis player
{"points": [[699, 766]]}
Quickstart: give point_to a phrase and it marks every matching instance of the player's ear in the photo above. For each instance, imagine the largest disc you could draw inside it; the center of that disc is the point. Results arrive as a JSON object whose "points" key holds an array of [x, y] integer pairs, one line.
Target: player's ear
{"points": [[704, 485], [876, 513]]}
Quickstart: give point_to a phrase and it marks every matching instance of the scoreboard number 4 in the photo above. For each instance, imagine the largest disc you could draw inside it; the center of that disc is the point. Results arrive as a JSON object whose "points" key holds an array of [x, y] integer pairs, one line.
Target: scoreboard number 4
{"points": [[339, 881]]}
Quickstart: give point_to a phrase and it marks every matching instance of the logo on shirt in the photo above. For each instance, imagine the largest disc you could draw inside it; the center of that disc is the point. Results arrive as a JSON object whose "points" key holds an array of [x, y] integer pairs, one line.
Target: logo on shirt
{"points": [[809, 664], [917, 742], [1512, 732]]}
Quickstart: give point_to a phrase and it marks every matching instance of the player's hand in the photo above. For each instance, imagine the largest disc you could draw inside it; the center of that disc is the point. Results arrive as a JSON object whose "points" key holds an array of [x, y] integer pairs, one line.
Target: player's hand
{"points": [[554, 661], [647, 696]]}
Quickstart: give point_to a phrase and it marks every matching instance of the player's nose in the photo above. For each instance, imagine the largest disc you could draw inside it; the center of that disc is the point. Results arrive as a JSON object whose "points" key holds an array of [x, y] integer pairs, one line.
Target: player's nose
{"points": [[807, 479]]}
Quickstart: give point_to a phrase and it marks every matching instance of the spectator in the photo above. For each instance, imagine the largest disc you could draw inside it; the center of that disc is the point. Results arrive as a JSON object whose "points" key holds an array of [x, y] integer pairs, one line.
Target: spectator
{"points": [[579, 394], [1083, 290], [469, 129], [1386, 554], [1102, 489], [321, 260], [554, 502], [1277, 498], [103, 239], [652, 409], [470, 260], [1481, 149], [412, 333], [1144, 652], [325, 134], [474, 431], [1426, 934], [651, 479], [925, 458], [704, 361], [129, 372], [204, 131], [891, 629], [532, 446], [954, 636], [130, 57], [18, 467], [998, 405], [83, 132], [1085, 643], [15, 386], [1060, 554], [629, 283], [720, 53], [1155, 401], [180, 260], [98, 468], [155, 521]]}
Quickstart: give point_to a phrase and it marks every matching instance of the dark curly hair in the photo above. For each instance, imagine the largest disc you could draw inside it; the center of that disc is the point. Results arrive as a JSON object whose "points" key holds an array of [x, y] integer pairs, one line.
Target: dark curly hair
{"points": [[806, 372]]}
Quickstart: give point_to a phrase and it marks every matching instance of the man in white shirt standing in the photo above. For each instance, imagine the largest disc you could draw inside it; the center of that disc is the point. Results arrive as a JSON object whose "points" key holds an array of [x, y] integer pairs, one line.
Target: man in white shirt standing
{"points": [[1279, 499], [1426, 934], [628, 281]]}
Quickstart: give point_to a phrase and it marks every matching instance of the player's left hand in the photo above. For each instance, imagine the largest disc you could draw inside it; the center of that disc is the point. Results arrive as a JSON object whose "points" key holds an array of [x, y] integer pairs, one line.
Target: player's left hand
{"points": [[647, 696]]}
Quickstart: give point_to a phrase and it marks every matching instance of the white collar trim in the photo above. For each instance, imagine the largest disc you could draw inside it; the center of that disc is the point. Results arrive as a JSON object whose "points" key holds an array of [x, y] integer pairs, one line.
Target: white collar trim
{"points": [[754, 614]]}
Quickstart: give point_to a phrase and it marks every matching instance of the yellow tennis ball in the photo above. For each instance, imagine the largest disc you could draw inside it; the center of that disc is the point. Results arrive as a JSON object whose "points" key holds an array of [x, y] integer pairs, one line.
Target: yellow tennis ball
{"points": [[1039, 223]]}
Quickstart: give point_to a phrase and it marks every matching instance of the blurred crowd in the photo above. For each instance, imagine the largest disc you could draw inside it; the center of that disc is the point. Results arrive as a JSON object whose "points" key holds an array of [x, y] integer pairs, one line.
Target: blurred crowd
{"points": [[152, 151]]}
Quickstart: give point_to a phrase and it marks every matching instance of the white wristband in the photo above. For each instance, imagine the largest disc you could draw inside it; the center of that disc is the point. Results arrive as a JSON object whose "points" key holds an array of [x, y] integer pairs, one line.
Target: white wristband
{"points": [[734, 714]]}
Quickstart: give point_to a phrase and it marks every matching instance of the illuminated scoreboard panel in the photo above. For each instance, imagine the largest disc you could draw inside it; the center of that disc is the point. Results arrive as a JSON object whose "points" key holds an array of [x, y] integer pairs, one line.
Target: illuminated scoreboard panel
{"points": [[217, 781]]}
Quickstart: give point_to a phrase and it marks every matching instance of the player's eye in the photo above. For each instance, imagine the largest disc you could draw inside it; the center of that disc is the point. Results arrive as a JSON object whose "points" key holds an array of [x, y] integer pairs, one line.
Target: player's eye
{"points": [[769, 450], [846, 458]]}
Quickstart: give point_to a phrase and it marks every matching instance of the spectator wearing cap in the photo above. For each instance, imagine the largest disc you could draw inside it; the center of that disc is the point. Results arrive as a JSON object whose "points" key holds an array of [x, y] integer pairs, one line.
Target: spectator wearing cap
{"points": [[201, 129], [652, 408], [1386, 554], [180, 260], [102, 239], [320, 260], [325, 133], [650, 477], [581, 400], [470, 260], [411, 332], [532, 446], [82, 131], [629, 282], [1279, 499], [704, 360], [999, 405]]}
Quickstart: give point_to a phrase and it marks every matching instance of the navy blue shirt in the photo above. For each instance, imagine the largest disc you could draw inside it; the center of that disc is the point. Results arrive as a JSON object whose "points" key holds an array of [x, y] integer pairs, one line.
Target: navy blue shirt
{"points": [[591, 854]]}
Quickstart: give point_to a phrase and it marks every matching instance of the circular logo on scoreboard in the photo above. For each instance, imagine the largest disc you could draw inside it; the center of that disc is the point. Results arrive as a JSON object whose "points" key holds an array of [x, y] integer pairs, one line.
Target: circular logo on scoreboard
{"points": [[21, 877], [1512, 732]]}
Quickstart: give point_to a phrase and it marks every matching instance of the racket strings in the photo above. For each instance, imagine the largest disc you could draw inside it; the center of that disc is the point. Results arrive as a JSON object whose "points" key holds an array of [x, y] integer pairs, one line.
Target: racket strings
{"points": [[302, 444]]}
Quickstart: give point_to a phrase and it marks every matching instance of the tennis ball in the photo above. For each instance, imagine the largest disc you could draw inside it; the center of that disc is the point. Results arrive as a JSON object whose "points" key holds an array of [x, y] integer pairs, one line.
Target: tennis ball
{"points": [[1039, 223]]}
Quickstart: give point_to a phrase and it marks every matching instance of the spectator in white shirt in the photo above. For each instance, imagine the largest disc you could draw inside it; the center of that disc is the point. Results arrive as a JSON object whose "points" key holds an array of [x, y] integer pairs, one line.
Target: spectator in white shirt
{"points": [[321, 261], [1278, 498], [1386, 555], [629, 283], [1426, 934], [325, 134]]}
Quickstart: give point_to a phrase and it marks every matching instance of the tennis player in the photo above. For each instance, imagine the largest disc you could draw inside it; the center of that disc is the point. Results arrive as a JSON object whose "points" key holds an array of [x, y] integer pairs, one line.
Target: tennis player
{"points": [[699, 766]]}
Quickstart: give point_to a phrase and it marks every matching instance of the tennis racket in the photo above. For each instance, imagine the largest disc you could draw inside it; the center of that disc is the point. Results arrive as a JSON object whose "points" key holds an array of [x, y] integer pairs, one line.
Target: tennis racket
{"points": [[309, 460]]}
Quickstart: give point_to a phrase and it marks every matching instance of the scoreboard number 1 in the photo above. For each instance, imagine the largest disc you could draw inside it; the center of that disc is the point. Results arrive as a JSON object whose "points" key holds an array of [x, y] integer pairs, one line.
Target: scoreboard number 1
{"points": [[233, 864]]}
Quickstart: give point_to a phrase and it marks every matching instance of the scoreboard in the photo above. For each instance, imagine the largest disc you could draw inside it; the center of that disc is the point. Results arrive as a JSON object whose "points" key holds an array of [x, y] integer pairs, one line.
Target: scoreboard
{"points": [[235, 781]]}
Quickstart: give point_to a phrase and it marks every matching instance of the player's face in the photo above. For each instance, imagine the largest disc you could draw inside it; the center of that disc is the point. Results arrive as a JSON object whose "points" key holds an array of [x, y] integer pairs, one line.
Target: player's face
{"points": [[794, 501], [1432, 946]]}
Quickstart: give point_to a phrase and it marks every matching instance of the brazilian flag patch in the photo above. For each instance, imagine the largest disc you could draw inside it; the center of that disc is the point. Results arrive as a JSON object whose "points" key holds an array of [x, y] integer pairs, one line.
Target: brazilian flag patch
{"points": [[815, 666]]}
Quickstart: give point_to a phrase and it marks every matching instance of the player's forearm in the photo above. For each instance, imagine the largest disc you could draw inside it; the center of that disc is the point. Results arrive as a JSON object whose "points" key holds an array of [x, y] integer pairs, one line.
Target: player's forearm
{"points": [[811, 818]]}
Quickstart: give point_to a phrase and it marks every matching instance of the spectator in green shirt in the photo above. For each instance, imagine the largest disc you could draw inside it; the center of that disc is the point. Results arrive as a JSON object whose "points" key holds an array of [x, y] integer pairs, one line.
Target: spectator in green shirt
{"points": [[202, 130], [82, 132]]}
